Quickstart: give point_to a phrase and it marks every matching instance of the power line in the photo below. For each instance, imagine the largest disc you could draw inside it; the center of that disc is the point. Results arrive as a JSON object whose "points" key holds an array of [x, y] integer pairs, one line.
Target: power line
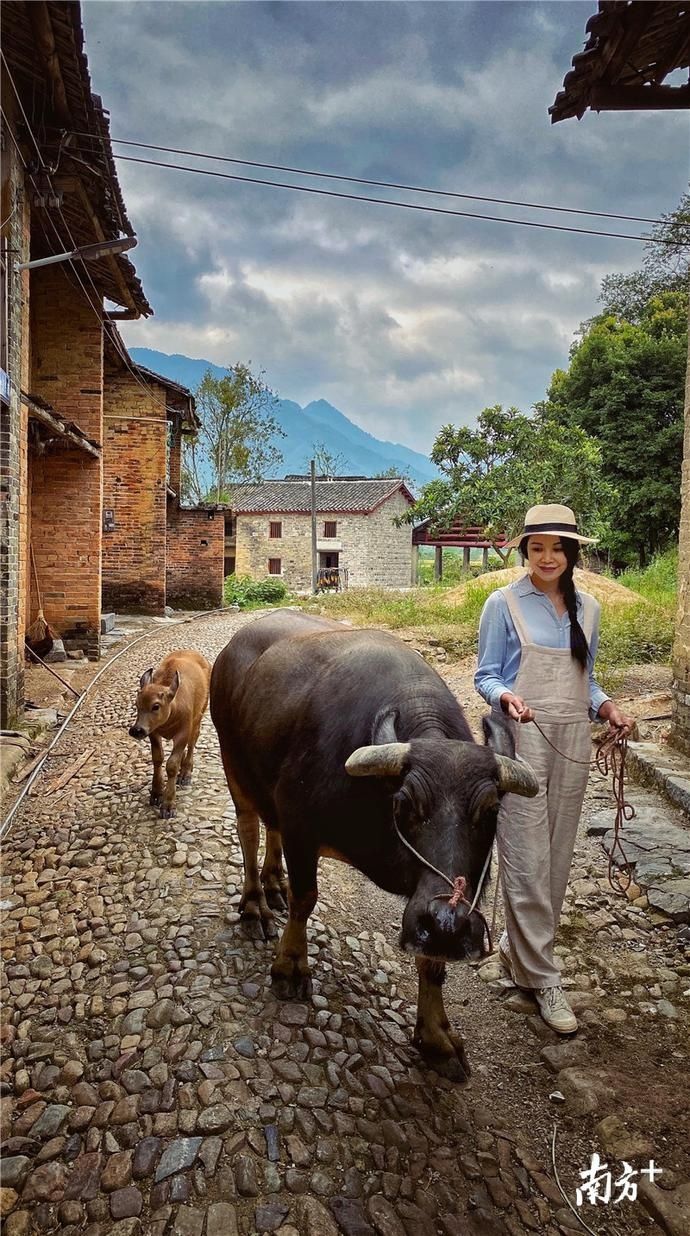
{"points": [[381, 184], [384, 201]]}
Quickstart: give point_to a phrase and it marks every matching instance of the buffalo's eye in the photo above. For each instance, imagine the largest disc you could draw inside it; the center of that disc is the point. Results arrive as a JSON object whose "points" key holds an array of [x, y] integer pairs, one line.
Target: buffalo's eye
{"points": [[155, 707]]}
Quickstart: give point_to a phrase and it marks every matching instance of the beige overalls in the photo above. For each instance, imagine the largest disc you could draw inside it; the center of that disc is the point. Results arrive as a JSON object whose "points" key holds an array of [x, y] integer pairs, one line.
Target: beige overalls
{"points": [[536, 836]]}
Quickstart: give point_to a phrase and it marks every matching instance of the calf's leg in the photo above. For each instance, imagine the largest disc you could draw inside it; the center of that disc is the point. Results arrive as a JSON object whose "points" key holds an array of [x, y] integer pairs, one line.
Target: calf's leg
{"points": [[158, 782], [187, 767], [290, 973], [272, 874], [257, 919], [443, 1050], [172, 768]]}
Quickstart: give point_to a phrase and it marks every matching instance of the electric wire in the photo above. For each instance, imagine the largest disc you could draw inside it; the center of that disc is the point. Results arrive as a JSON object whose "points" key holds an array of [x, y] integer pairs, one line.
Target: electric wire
{"points": [[383, 201], [381, 184]]}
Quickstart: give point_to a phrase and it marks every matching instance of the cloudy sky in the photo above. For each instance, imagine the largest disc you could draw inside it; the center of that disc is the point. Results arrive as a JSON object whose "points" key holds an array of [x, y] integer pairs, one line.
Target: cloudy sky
{"points": [[403, 320]]}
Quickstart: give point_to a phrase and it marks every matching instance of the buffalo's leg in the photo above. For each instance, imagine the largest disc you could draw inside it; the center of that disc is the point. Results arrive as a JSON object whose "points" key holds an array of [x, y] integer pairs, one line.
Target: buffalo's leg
{"points": [[172, 768], [158, 782], [187, 766], [443, 1050], [272, 874], [290, 974], [257, 919]]}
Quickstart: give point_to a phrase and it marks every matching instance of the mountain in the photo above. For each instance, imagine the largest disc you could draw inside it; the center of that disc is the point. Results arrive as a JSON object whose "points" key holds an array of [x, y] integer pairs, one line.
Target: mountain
{"points": [[319, 421]]}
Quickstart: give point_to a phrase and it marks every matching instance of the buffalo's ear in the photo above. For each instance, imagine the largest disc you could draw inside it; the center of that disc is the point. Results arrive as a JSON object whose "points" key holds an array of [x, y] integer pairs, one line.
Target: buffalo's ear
{"points": [[174, 685], [498, 734], [146, 677], [383, 729]]}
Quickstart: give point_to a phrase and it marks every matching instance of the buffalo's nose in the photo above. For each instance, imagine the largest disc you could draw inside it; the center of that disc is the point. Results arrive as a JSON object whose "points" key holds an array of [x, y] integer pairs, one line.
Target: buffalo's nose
{"points": [[136, 732]]}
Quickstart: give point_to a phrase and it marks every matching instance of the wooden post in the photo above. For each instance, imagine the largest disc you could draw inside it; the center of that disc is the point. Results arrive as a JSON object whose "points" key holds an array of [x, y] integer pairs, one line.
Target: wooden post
{"points": [[438, 563], [485, 558], [314, 574], [414, 574], [466, 559]]}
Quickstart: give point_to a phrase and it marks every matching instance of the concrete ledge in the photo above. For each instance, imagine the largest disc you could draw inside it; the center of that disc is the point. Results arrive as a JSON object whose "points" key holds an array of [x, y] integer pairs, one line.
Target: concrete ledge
{"points": [[662, 767]]}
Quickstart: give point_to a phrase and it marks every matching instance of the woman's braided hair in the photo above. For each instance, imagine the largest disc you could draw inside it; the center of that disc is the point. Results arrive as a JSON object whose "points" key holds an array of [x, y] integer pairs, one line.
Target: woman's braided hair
{"points": [[579, 648]]}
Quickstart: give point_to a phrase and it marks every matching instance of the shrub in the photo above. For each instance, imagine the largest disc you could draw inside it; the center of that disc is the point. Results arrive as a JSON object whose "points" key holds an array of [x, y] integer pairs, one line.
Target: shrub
{"points": [[244, 591]]}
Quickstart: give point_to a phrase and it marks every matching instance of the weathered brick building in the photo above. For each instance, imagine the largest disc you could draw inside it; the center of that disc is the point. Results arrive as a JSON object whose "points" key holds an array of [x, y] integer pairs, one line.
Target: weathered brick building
{"points": [[155, 552], [269, 531], [79, 419]]}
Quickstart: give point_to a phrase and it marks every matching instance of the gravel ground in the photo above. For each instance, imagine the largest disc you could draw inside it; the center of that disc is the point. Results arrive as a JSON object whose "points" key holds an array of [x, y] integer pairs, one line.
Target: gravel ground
{"points": [[151, 1083]]}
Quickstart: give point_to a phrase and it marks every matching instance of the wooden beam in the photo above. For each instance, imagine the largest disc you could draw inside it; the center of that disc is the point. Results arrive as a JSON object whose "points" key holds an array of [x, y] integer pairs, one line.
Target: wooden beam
{"points": [[638, 98], [127, 298], [58, 426], [45, 42]]}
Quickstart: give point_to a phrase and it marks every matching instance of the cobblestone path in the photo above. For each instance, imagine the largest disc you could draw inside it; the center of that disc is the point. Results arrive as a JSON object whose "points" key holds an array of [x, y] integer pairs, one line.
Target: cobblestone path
{"points": [[151, 1083]]}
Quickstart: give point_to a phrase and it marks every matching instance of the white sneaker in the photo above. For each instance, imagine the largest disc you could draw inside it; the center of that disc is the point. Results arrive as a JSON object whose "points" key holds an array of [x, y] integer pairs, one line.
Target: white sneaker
{"points": [[555, 1009]]}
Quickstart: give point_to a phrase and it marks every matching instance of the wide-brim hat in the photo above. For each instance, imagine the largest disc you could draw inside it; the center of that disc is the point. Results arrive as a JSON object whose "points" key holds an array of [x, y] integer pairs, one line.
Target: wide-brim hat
{"points": [[550, 519]]}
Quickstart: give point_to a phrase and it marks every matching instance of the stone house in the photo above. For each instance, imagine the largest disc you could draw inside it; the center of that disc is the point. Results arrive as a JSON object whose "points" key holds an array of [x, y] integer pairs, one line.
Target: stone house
{"points": [[269, 530]]}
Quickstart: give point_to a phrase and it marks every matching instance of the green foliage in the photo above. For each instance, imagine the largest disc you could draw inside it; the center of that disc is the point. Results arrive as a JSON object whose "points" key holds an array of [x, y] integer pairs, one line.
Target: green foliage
{"points": [[624, 388], [454, 572], [666, 268], [658, 582], [246, 592], [493, 473], [236, 438]]}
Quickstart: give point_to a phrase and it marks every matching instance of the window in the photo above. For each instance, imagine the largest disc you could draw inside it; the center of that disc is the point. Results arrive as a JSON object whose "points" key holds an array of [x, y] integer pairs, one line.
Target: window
{"points": [[330, 528], [275, 566], [275, 531]]}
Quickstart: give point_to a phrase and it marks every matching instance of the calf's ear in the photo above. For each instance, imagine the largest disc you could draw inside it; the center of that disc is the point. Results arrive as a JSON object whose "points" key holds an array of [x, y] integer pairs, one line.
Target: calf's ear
{"points": [[498, 734], [146, 677], [174, 685]]}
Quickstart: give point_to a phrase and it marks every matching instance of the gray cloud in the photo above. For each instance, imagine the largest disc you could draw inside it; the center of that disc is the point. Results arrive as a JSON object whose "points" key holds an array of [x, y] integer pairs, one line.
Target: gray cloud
{"points": [[403, 320]]}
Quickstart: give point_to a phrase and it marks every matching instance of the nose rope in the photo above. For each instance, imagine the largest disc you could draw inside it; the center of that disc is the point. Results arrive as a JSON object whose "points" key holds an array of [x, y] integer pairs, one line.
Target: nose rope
{"points": [[457, 886]]}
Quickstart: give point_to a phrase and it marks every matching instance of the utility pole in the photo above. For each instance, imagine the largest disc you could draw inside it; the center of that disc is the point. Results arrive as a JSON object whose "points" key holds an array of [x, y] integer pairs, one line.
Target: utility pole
{"points": [[313, 527]]}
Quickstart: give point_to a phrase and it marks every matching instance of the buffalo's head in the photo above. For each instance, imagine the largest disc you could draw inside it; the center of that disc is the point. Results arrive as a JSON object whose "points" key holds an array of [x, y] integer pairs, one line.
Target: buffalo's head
{"points": [[445, 807], [154, 702]]}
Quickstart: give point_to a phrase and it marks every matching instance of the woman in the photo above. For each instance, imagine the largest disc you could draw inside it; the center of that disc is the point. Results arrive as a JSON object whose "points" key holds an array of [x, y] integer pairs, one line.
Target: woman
{"points": [[537, 643]]}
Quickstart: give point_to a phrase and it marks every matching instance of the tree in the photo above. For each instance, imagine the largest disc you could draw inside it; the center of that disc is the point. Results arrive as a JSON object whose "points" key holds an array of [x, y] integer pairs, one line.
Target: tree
{"points": [[624, 388], [236, 441], [511, 461], [327, 463], [666, 267], [393, 474]]}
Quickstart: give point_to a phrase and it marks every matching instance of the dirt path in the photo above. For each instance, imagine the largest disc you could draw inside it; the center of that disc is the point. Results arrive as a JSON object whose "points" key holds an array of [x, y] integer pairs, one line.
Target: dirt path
{"points": [[151, 1083]]}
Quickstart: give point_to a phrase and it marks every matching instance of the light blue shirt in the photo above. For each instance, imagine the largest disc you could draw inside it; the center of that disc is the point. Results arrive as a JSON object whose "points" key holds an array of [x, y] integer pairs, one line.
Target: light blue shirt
{"points": [[499, 643]]}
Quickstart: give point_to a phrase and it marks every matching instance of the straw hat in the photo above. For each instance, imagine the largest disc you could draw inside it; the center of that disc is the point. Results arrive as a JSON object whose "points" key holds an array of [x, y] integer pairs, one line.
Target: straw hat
{"points": [[550, 519]]}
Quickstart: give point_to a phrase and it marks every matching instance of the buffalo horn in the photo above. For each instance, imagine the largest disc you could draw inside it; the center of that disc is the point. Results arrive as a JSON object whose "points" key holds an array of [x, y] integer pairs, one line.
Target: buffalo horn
{"points": [[385, 760], [516, 777]]}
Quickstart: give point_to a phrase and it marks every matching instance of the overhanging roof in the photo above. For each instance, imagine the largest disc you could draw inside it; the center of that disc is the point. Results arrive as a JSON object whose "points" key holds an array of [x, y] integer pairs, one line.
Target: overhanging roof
{"points": [[632, 47], [43, 44]]}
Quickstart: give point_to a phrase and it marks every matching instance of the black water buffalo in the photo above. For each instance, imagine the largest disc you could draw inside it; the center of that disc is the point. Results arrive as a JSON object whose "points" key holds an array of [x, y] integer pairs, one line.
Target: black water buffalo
{"points": [[343, 741]]}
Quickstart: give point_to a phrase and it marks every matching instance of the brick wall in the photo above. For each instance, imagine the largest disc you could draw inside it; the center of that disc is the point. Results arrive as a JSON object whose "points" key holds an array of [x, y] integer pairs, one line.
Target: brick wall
{"points": [[680, 728], [175, 457], [13, 442], [196, 545], [373, 550], [134, 488], [66, 484]]}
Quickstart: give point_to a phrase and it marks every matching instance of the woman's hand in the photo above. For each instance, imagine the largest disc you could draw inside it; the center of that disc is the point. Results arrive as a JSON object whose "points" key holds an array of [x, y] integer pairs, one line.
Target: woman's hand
{"points": [[617, 720], [516, 708]]}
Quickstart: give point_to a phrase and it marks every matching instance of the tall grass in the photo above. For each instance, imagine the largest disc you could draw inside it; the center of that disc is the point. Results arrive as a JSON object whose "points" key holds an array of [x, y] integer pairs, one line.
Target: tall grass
{"points": [[629, 634]]}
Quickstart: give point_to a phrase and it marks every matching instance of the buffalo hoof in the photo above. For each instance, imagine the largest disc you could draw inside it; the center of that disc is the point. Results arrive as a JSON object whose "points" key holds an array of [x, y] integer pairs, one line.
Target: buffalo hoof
{"points": [[258, 926], [155, 799], [452, 1064], [184, 780], [295, 987], [166, 813], [276, 896]]}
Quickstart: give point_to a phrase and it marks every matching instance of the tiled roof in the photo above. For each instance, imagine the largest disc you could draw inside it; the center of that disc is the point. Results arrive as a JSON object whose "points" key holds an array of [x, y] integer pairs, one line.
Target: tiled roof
{"points": [[281, 497]]}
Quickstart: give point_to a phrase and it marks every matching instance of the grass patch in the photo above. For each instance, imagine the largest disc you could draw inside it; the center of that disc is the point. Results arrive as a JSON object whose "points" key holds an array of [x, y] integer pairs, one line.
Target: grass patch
{"points": [[251, 593], [629, 635]]}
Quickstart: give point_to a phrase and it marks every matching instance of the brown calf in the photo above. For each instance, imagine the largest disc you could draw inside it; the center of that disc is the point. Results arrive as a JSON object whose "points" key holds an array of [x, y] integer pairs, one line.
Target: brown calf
{"points": [[171, 702]]}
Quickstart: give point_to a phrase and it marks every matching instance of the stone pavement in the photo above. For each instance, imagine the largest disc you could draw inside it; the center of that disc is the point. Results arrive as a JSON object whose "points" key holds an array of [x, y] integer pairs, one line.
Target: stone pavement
{"points": [[152, 1084]]}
